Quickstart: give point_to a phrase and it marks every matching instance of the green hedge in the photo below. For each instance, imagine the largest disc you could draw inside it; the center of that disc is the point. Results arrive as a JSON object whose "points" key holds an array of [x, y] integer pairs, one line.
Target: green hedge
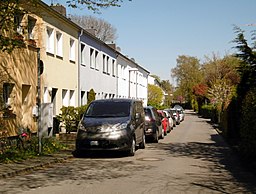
{"points": [[248, 125]]}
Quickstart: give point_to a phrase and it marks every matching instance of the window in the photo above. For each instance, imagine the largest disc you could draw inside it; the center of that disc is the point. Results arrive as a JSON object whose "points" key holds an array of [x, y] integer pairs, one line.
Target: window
{"points": [[25, 91], [45, 95], [31, 27], [72, 98], [17, 21], [96, 60], [72, 50], [82, 54], [113, 68], [92, 58], [82, 97], [50, 40], [65, 97], [7, 90], [104, 63], [107, 64], [59, 44]]}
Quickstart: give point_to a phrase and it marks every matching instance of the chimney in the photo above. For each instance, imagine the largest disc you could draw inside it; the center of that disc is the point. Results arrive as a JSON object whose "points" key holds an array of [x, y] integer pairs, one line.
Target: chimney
{"points": [[91, 31], [113, 46], [59, 8]]}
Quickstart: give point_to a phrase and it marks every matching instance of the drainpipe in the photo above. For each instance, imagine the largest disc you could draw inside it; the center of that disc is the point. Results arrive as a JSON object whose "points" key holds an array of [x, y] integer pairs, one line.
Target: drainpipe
{"points": [[79, 66], [117, 77], [39, 102]]}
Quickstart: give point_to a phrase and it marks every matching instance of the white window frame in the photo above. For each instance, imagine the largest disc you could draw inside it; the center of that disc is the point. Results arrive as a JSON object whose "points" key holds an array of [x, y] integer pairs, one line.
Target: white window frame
{"points": [[59, 44], [92, 58], [65, 97], [97, 60], [72, 98], [82, 54], [104, 63], [113, 68], [72, 50], [50, 40], [107, 63]]}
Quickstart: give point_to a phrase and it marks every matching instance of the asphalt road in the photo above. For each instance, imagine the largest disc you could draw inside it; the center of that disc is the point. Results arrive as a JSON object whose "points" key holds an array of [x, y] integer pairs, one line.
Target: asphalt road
{"points": [[193, 158]]}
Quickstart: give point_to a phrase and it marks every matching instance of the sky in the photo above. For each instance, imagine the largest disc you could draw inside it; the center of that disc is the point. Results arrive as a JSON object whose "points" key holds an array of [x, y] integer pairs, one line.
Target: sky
{"points": [[156, 32]]}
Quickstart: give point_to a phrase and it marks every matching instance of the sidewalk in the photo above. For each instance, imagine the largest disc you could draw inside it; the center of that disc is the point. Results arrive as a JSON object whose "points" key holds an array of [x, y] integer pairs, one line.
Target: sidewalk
{"points": [[13, 169]]}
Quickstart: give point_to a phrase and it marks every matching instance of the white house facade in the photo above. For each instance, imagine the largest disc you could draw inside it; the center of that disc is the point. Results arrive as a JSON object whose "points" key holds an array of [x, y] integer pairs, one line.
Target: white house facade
{"points": [[132, 79], [97, 69]]}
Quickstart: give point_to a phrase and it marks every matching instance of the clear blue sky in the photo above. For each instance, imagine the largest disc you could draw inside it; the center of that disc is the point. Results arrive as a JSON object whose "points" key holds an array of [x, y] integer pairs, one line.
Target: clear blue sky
{"points": [[156, 32]]}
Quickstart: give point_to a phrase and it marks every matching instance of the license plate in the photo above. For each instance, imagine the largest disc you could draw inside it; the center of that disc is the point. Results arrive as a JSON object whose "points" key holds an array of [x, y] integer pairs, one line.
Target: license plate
{"points": [[94, 143]]}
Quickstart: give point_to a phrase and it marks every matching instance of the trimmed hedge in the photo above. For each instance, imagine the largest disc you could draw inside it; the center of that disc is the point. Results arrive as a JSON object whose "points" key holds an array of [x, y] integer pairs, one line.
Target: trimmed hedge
{"points": [[248, 125]]}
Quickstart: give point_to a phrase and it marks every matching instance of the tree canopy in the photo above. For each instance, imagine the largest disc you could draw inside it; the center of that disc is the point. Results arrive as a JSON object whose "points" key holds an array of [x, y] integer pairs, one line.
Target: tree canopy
{"points": [[155, 95], [102, 29], [94, 5], [13, 10]]}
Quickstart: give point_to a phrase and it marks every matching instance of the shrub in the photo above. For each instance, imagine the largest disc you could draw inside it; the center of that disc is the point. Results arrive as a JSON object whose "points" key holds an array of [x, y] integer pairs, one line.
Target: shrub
{"points": [[30, 150], [70, 117], [248, 125], [207, 111]]}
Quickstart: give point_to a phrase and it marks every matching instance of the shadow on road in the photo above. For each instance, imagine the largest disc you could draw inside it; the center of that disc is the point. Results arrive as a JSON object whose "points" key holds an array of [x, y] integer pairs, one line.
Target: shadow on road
{"points": [[220, 157]]}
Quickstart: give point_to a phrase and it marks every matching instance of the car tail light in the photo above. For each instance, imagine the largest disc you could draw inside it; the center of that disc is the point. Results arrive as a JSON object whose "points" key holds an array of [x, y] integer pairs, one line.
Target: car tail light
{"points": [[147, 118]]}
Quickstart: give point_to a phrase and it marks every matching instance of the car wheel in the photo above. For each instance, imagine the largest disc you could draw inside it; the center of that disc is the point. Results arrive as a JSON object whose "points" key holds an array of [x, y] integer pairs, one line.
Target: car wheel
{"points": [[162, 136], [132, 150], [77, 153], [143, 142], [156, 137]]}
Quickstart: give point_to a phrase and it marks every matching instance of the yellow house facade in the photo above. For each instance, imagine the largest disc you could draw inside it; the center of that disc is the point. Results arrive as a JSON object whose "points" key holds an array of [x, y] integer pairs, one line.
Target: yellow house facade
{"points": [[58, 51], [19, 90]]}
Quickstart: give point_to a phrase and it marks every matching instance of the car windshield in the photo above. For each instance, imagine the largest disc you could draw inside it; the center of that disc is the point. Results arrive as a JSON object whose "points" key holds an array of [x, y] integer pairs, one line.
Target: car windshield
{"points": [[147, 112], [108, 109]]}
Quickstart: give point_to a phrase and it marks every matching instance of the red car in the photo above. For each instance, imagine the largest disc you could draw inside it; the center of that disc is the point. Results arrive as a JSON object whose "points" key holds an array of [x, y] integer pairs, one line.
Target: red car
{"points": [[165, 121]]}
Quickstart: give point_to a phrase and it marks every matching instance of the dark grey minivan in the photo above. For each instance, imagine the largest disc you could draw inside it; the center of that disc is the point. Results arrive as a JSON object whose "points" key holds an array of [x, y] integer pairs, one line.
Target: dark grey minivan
{"points": [[112, 124]]}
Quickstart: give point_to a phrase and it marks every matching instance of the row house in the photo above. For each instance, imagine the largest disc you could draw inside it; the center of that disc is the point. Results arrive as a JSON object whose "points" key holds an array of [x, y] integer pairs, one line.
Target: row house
{"points": [[97, 69], [132, 79], [60, 65]]}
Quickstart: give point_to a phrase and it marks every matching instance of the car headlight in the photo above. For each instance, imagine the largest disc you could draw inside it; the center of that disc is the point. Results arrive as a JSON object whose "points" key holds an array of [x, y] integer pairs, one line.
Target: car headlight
{"points": [[120, 126], [81, 127]]}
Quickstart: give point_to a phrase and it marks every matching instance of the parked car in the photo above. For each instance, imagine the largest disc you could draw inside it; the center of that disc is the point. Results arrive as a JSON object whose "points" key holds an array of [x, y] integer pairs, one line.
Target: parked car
{"points": [[164, 120], [112, 124], [180, 109], [153, 124], [182, 114], [176, 115], [170, 118]]}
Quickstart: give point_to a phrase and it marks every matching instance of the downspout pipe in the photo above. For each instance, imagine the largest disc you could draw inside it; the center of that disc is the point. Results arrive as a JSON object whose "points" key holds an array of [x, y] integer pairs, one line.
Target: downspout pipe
{"points": [[38, 101], [79, 69]]}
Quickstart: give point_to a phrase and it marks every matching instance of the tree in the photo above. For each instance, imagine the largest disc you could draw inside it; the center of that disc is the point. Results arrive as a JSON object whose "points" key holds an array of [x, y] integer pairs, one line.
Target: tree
{"points": [[188, 74], [247, 55], [168, 88], [12, 12], [155, 95], [10, 16], [91, 96], [246, 91], [102, 29], [94, 5], [216, 68]]}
